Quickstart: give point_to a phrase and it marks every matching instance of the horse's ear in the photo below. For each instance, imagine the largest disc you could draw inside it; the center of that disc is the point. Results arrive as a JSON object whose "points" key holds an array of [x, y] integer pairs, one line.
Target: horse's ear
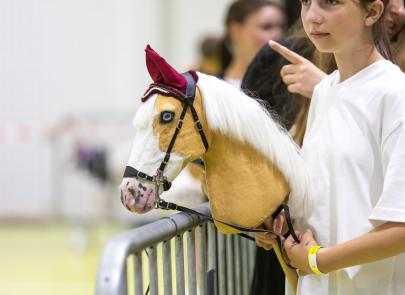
{"points": [[161, 72]]}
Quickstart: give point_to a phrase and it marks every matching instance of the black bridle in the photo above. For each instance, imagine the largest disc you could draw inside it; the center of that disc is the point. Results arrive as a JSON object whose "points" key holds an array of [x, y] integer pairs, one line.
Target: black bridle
{"points": [[161, 181]]}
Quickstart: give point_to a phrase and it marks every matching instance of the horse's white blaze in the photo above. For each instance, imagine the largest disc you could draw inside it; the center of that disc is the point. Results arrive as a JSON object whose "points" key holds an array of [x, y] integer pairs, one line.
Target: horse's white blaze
{"points": [[145, 154]]}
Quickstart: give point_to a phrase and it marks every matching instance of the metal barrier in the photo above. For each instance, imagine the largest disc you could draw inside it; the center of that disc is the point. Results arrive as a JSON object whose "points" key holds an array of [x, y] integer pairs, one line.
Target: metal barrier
{"points": [[215, 263]]}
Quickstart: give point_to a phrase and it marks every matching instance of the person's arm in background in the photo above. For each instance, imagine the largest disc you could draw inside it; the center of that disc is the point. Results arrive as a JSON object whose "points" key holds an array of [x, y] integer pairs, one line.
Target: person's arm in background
{"points": [[301, 76]]}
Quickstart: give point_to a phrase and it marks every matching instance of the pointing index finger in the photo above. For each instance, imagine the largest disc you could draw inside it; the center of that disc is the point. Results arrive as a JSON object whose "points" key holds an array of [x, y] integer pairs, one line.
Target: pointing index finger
{"points": [[291, 56]]}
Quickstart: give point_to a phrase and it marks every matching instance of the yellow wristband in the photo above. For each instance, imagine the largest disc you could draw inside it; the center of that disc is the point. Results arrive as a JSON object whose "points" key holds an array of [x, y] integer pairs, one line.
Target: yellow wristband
{"points": [[312, 260]]}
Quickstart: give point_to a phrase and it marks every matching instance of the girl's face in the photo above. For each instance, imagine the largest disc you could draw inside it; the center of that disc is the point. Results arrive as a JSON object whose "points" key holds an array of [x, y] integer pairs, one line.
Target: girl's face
{"points": [[394, 17], [258, 28], [336, 26], [267, 23]]}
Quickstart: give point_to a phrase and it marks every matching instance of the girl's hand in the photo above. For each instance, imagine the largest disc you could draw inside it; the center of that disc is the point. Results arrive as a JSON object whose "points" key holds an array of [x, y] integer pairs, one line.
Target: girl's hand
{"points": [[301, 76], [298, 252]]}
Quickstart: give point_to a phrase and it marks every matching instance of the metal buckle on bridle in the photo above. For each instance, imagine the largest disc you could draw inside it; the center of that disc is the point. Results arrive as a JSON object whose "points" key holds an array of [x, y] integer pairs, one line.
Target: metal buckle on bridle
{"points": [[159, 179]]}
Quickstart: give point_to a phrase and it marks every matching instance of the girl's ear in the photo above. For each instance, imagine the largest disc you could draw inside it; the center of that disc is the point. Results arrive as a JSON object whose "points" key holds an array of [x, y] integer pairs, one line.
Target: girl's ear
{"points": [[375, 9]]}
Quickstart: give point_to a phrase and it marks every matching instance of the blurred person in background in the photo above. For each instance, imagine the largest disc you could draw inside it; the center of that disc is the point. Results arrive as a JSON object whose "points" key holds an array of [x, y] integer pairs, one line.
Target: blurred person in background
{"points": [[249, 24], [395, 18], [395, 26], [209, 60]]}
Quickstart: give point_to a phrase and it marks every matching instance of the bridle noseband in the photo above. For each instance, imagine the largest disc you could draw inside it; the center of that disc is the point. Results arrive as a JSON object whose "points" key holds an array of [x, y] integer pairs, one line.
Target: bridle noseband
{"points": [[187, 100]]}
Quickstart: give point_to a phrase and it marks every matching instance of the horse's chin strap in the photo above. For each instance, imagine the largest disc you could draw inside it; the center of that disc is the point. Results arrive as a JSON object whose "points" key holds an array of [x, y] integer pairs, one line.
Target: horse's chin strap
{"points": [[159, 179], [283, 207]]}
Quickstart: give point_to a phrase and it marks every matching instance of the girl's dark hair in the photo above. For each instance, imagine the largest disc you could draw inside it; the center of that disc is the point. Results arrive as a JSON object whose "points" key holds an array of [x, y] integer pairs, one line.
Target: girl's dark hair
{"points": [[293, 11], [380, 36], [238, 12], [263, 80]]}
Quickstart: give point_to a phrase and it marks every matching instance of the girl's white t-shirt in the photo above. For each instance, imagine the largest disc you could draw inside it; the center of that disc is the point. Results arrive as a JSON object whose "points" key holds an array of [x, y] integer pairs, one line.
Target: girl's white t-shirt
{"points": [[355, 148]]}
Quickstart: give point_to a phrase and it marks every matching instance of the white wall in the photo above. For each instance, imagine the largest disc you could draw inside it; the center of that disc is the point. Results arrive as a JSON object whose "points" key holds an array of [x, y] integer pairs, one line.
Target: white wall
{"points": [[189, 21], [67, 57]]}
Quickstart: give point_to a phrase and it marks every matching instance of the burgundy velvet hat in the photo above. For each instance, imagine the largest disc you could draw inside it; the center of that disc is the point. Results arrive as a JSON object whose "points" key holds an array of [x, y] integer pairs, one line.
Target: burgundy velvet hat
{"points": [[164, 75]]}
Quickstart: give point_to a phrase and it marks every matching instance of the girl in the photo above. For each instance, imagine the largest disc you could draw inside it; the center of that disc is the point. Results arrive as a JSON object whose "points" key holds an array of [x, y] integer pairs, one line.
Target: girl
{"points": [[249, 24], [355, 147]]}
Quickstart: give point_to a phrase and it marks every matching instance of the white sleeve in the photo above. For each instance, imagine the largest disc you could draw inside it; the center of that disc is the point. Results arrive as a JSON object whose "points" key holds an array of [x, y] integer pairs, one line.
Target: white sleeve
{"points": [[391, 204], [313, 107]]}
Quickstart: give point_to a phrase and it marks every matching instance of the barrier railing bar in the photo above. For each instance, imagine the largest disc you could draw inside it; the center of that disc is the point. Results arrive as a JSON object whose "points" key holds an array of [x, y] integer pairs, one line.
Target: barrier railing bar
{"points": [[153, 273], [224, 263], [192, 281], [237, 265], [245, 269], [229, 265], [221, 255], [137, 271], [212, 260], [179, 250], [251, 254], [112, 273], [202, 260], [167, 267]]}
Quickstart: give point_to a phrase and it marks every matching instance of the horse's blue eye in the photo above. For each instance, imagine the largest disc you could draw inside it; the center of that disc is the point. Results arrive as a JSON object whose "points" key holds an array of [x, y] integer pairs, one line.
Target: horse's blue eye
{"points": [[166, 117]]}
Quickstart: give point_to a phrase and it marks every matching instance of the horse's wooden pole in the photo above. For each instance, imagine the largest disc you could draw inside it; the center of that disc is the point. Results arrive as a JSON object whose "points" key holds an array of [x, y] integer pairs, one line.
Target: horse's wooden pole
{"points": [[291, 274]]}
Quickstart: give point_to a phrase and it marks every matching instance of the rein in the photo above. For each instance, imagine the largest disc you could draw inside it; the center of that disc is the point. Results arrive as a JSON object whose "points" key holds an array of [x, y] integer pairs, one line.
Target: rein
{"points": [[161, 181], [283, 207]]}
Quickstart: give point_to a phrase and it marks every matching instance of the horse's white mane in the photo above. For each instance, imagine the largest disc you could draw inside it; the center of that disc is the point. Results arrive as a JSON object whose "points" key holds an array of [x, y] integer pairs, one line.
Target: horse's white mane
{"points": [[231, 112]]}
